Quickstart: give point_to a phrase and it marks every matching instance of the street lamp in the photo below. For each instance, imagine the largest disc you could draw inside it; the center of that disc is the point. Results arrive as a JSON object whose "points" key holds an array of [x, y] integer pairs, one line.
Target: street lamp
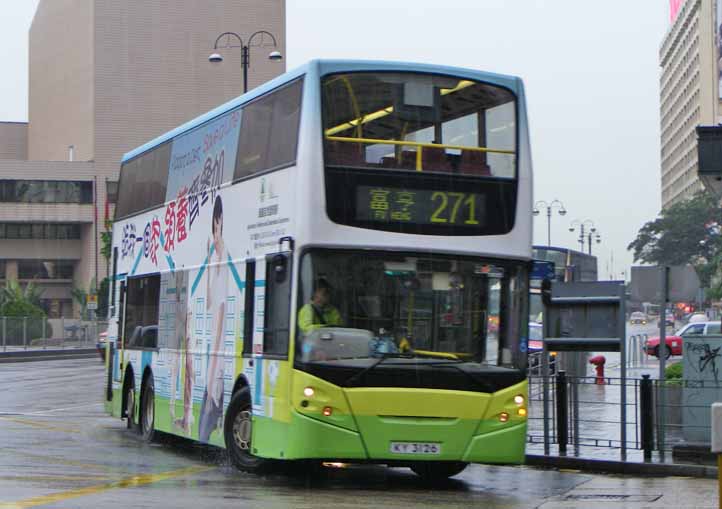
{"points": [[245, 54], [549, 207], [590, 233]]}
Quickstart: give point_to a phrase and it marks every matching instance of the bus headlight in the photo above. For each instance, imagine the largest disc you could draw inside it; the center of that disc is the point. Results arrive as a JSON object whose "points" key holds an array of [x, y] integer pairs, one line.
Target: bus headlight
{"points": [[308, 392], [503, 417], [519, 400], [521, 412]]}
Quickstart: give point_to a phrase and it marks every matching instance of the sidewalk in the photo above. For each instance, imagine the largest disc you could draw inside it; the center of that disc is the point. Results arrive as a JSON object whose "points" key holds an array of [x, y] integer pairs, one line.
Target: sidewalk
{"points": [[598, 447], [20, 354]]}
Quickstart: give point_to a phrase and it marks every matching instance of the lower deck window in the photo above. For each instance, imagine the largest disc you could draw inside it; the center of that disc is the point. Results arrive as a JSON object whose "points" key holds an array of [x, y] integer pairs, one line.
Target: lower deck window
{"points": [[141, 312]]}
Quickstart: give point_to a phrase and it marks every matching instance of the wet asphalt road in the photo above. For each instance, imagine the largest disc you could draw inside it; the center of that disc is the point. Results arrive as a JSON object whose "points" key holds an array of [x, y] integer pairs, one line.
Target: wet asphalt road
{"points": [[60, 450]]}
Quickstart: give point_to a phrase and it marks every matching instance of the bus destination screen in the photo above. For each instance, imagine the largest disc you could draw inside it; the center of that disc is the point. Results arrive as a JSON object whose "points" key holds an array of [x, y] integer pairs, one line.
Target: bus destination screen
{"points": [[382, 204]]}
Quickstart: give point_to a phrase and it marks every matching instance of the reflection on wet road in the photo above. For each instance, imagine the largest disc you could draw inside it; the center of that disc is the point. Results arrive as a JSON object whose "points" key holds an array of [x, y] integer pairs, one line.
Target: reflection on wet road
{"points": [[59, 449]]}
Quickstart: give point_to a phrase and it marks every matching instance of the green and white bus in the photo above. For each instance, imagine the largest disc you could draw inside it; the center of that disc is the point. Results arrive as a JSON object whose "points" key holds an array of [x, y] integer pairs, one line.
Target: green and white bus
{"points": [[334, 267]]}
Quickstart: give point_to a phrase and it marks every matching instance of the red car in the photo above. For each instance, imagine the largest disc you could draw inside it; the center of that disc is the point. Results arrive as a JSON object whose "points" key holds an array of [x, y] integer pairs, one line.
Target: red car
{"points": [[674, 342]]}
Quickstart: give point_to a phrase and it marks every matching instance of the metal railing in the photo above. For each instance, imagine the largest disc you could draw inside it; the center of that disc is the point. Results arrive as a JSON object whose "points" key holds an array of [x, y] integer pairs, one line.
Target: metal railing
{"points": [[27, 333], [594, 420], [636, 354]]}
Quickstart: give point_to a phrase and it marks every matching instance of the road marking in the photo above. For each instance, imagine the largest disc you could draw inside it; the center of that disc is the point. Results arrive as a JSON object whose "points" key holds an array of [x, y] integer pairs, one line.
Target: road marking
{"points": [[42, 425], [31, 478], [63, 461], [130, 482], [64, 408]]}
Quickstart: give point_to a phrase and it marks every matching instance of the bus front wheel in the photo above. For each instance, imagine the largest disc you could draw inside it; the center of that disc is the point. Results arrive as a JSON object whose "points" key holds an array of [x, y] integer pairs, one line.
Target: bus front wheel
{"points": [[237, 432], [438, 470]]}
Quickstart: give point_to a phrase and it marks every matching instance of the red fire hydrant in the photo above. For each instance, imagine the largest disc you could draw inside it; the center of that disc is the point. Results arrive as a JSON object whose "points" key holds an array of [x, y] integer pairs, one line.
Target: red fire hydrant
{"points": [[599, 361]]}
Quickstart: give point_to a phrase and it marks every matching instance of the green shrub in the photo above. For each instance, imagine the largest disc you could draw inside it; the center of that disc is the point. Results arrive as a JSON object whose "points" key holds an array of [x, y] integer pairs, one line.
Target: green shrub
{"points": [[673, 371]]}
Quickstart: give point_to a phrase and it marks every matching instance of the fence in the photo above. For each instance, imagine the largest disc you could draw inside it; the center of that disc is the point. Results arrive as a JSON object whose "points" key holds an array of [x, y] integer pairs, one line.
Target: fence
{"points": [[41, 333], [661, 416]]}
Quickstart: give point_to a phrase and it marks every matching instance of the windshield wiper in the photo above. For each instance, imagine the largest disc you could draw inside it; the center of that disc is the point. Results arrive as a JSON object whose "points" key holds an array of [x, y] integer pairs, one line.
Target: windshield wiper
{"points": [[384, 356]]}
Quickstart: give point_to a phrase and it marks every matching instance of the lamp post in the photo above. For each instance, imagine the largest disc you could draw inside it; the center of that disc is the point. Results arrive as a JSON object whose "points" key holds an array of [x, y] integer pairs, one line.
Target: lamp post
{"points": [[245, 53], [549, 207], [591, 232]]}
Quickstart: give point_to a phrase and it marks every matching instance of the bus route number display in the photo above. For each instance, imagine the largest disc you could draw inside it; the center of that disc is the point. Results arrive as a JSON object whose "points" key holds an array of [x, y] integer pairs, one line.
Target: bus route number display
{"points": [[419, 206]]}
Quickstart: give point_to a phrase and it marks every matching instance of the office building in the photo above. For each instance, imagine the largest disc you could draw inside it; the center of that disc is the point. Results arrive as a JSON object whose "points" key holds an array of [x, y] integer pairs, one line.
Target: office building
{"points": [[689, 93], [106, 76]]}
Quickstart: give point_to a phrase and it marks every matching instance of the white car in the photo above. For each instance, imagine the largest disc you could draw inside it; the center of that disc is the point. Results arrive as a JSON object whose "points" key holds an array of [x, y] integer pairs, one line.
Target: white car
{"points": [[697, 318]]}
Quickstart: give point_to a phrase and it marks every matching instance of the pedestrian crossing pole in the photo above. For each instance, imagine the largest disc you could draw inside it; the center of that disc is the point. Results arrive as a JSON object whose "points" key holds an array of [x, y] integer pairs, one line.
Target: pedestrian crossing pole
{"points": [[716, 416]]}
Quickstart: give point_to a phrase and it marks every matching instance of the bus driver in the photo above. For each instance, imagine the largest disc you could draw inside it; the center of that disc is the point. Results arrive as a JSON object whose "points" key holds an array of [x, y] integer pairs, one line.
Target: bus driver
{"points": [[319, 312]]}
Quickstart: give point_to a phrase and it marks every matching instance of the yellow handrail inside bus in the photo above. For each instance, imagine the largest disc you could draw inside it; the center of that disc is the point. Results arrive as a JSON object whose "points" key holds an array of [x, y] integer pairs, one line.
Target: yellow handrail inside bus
{"points": [[419, 145], [363, 119], [431, 353]]}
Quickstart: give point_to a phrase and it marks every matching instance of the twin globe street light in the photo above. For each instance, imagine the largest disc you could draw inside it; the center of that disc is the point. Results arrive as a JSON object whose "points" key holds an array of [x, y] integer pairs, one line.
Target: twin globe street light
{"points": [[245, 53], [549, 207], [591, 232]]}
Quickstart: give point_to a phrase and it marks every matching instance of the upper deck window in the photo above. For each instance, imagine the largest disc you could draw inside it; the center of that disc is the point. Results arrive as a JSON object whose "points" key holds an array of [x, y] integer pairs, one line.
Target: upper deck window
{"points": [[269, 131], [419, 122]]}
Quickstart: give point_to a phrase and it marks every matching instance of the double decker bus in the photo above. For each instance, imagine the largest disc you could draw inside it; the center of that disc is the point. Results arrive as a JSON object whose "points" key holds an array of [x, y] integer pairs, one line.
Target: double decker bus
{"points": [[334, 267]]}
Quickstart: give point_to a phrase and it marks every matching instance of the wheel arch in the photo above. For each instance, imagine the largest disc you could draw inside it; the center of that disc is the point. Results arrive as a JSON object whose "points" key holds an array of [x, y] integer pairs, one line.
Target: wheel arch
{"points": [[240, 383]]}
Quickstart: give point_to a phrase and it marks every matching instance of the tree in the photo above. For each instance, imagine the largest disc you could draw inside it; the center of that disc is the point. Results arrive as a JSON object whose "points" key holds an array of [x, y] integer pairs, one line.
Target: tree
{"points": [[18, 303], [81, 297], [14, 296], [688, 232]]}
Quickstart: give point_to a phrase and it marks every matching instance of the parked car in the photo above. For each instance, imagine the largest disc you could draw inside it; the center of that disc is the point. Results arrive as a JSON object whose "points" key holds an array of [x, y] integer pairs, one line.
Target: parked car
{"points": [[697, 318], [536, 345], [536, 337], [674, 342], [638, 318], [668, 321]]}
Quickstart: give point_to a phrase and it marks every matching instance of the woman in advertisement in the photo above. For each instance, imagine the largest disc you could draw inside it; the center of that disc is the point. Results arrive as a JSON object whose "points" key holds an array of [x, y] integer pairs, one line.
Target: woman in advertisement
{"points": [[180, 350], [216, 293]]}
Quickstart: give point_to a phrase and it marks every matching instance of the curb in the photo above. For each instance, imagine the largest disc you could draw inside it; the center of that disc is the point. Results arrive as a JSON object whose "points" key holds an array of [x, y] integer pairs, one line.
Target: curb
{"points": [[621, 467], [45, 355]]}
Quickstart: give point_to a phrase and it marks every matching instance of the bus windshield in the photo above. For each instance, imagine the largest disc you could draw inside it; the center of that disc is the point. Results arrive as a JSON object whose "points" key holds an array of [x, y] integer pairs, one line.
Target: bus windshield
{"points": [[419, 122], [362, 305]]}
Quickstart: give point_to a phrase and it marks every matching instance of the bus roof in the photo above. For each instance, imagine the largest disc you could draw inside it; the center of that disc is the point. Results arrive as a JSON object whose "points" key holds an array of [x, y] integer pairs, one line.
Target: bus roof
{"points": [[321, 68]]}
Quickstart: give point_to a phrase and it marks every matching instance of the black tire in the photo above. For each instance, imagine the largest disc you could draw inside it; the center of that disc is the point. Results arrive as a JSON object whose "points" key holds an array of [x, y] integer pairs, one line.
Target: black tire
{"points": [[667, 352], [147, 410], [129, 399], [438, 470], [237, 432]]}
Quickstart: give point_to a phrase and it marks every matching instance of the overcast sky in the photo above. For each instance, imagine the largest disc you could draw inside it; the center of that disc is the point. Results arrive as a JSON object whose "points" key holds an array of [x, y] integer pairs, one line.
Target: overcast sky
{"points": [[590, 69]]}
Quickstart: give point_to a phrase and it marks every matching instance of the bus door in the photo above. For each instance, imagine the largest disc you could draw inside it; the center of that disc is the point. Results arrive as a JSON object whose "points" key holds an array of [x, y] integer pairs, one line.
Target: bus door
{"points": [[277, 305], [270, 306], [118, 376]]}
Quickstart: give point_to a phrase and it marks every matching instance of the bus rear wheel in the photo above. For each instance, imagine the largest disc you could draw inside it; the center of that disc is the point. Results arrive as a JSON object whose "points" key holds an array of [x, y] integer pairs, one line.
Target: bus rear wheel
{"points": [[147, 410], [130, 404], [238, 432], [438, 470]]}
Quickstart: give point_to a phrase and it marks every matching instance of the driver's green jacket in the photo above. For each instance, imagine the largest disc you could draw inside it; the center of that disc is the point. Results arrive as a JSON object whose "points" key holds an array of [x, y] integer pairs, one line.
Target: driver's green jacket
{"points": [[310, 319]]}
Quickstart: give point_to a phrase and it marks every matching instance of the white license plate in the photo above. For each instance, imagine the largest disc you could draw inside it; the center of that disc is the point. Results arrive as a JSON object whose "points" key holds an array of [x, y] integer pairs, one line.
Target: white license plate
{"points": [[415, 448]]}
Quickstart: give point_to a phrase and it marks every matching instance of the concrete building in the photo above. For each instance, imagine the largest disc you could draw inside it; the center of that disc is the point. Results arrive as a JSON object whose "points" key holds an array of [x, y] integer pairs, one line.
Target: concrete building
{"points": [[105, 77], [688, 94]]}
